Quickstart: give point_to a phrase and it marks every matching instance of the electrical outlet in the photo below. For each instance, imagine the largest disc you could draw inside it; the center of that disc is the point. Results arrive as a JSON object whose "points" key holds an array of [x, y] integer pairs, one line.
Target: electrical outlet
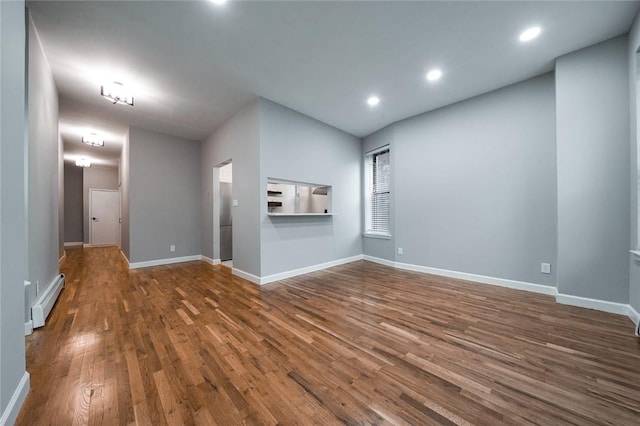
{"points": [[545, 268], [235, 203], [172, 248], [400, 250]]}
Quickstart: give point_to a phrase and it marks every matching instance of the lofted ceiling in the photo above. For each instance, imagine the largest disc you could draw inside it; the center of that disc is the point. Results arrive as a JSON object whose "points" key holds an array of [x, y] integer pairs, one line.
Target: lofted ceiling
{"points": [[193, 64]]}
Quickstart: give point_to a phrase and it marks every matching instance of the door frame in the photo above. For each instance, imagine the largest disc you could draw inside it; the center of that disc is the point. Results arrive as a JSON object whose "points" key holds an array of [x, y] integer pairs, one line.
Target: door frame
{"points": [[91, 213]]}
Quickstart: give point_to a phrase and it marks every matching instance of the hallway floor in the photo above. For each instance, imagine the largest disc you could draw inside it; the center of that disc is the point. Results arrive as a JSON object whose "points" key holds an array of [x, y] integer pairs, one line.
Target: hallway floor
{"points": [[356, 344]]}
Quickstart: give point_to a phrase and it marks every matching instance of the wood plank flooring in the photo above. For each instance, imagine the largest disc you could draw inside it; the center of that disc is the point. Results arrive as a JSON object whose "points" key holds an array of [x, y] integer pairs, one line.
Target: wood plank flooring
{"points": [[356, 344]]}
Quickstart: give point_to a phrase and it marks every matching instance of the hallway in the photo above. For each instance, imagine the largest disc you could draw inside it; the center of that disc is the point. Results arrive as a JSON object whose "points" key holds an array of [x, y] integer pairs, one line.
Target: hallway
{"points": [[355, 344]]}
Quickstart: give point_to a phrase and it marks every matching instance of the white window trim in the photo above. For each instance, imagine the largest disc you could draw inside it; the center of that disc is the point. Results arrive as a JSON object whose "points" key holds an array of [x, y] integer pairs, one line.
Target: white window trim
{"points": [[368, 160]]}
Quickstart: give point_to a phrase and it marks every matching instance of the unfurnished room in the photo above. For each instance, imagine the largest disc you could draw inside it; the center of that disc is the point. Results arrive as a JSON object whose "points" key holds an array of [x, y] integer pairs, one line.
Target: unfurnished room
{"points": [[225, 212]]}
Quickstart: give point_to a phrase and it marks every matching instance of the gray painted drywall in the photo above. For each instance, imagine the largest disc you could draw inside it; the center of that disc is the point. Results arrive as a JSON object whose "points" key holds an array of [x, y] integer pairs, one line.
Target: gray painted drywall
{"points": [[124, 196], [72, 203], [592, 104], [164, 201], [95, 177], [475, 184], [299, 148], [43, 241], [634, 181], [238, 139], [60, 197], [381, 248], [13, 222]]}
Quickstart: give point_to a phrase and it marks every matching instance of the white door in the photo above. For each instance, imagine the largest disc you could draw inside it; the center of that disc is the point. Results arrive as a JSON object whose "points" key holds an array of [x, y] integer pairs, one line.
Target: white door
{"points": [[104, 217]]}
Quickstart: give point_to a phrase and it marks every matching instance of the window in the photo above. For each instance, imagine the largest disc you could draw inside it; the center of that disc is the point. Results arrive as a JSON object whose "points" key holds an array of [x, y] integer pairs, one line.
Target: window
{"points": [[378, 193]]}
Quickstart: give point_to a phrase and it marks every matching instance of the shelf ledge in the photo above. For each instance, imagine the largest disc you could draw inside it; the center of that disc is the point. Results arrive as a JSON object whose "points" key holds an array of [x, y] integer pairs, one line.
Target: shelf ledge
{"points": [[299, 214]]}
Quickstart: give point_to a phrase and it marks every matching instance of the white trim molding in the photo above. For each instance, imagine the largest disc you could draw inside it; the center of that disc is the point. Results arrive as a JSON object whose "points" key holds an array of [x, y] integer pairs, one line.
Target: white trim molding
{"points": [[74, 244], [247, 276], [598, 305], [63, 258], [169, 261], [124, 256], [565, 299], [210, 261], [10, 414], [308, 269], [28, 327], [636, 253]]}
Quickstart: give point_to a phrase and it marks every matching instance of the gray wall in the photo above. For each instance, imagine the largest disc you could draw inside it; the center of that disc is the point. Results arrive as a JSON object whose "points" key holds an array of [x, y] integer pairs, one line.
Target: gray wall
{"points": [[474, 185], [13, 223], [299, 148], [164, 201], [73, 227], [95, 177], [124, 196], [381, 248], [238, 139], [43, 241], [634, 243], [592, 92]]}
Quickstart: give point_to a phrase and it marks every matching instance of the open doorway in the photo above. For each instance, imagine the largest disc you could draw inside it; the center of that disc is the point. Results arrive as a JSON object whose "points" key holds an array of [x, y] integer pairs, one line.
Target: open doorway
{"points": [[225, 214]]}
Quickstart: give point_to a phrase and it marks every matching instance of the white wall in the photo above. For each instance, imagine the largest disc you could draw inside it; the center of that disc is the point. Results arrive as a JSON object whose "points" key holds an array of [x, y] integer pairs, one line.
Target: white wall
{"points": [[14, 380], [164, 196], [238, 140], [95, 177], [592, 95], [43, 172], [299, 148], [474, 185]]}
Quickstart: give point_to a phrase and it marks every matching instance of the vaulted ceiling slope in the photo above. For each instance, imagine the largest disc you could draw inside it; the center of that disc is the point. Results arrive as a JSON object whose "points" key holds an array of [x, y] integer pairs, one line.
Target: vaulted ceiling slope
{"points": [[193, 65]]}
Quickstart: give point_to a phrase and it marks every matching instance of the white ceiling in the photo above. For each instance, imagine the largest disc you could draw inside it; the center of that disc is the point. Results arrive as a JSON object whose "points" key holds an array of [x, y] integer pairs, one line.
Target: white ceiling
{"points": [[192, 65]]}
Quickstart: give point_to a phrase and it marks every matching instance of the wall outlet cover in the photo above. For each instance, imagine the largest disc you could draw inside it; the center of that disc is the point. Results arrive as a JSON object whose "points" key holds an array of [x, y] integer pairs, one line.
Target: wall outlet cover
{"points": [[545, 268], [172, 247], [400, 250]]}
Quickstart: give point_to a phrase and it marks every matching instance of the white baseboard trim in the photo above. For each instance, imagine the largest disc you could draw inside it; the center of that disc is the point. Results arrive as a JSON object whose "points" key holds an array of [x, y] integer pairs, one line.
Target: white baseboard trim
{"points": [[565, 299], [308, 269], [247, 276], [633, 315], [28, 327], [73, 244], [210, 261], [169, 261], [10, 414], [598, 305], [124, 256], [502, 282], [379, 260], [86, 245], [63, 258]]}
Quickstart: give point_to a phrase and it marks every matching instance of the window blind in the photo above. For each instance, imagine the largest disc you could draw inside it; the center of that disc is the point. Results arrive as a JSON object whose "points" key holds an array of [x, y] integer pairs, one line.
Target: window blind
{"points": [[381, 192]]}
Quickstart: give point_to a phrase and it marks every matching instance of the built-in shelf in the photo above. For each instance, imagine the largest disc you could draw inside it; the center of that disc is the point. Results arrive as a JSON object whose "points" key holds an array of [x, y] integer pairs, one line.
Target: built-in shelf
{"points": [[636, 253], [299, 214]]}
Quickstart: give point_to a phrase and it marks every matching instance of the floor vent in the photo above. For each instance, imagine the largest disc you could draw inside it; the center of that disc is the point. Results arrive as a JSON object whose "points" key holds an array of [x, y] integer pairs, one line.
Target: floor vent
{"points": [[42, 307]]}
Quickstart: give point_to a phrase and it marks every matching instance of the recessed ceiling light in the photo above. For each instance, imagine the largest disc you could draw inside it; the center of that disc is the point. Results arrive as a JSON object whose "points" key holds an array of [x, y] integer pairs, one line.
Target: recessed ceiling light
{"points": [[116, 92], [93, 139], [529, 34], [434, 75], [373, 101], [218, 2], [83, 162]]}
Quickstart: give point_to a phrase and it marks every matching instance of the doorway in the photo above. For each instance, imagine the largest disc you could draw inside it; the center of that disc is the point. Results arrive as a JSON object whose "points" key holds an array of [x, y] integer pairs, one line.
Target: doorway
{"points": [[104, 211], [225, 214]]}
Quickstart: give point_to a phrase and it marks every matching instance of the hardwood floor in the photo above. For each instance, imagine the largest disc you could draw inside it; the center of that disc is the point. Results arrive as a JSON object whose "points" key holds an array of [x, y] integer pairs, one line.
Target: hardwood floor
{"points": [[355, 344]]}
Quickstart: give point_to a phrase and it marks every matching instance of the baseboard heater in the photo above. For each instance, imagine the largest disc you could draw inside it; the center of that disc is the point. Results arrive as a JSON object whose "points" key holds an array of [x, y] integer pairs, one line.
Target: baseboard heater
{"points": [[43, 305]]}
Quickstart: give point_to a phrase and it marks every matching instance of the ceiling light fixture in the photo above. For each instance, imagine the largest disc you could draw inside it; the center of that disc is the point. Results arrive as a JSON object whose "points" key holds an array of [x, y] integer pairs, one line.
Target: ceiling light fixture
{"points": [[218, 2], [373, 101], [529, 34], [93, 139], [83, 162], [116, 93], [434, 75]]}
